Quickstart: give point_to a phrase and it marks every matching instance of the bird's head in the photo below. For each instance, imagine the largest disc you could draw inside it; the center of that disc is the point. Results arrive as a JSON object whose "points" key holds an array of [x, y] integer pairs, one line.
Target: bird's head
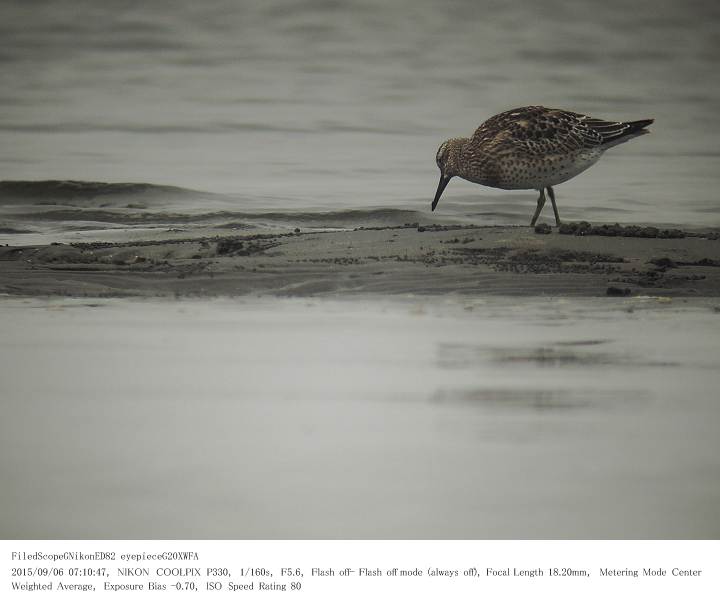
{"points": [[446, 158]]}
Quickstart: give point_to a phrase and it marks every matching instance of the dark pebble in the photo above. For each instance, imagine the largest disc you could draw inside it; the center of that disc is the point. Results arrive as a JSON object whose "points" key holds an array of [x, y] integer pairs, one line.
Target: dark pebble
{"points": [[664, 263], [543, 229], [228, 246], [671, 234], [575, 228], [583, 228], [648, 232], [608, 230], [616, 230], [617, 291]]}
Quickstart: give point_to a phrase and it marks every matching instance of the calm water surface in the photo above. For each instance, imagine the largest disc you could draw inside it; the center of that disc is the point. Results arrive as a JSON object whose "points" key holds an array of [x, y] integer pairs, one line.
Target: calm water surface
{"points": [[320, 104], [405, 419]]}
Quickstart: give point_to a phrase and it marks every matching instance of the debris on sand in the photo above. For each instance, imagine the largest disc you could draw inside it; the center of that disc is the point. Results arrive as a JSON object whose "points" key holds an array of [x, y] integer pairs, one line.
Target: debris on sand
{"points": [[617, 230], [617, 291]]}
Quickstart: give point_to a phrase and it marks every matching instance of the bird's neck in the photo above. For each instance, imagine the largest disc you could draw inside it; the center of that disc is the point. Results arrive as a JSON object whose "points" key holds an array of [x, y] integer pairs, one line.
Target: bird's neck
{"points": [[455, 162], [471, 163]]}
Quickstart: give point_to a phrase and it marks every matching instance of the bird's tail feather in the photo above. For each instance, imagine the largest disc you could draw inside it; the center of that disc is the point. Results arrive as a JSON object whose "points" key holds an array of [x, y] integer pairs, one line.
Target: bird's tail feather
{"points": [[614, 133]]}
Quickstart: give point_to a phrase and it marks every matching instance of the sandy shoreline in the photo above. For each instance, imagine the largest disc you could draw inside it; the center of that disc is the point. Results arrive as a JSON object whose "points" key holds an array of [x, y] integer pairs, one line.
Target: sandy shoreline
{"points": [[388, 260]]}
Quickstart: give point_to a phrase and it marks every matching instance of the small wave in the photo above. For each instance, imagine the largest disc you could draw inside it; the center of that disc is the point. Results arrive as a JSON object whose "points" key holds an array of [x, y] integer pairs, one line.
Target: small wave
{"points": [[13, 231], [341, 218], [338, 219], [77, 190]]}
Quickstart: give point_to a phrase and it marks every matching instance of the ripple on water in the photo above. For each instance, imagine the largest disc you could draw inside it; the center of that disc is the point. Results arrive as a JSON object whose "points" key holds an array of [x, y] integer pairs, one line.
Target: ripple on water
{"points": [[463, 356], [539, 399]]}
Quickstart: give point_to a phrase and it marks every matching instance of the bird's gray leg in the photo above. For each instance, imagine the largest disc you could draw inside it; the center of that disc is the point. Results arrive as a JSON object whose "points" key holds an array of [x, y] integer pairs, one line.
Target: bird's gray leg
{"points": [[552, 198], [540, 204]]}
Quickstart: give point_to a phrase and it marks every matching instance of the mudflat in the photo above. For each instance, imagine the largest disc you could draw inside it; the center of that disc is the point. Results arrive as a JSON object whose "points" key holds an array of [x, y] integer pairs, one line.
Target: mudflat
{"points": [[575, 260]]}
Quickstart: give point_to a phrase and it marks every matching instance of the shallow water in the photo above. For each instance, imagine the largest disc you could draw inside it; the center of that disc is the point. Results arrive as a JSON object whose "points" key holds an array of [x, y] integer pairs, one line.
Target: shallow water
{"points": [[409, 418], [302, 105]]}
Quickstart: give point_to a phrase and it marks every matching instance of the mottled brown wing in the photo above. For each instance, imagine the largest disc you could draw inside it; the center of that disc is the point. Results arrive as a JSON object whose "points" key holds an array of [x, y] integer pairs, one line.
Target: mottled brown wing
{"points": [[536, 131]]}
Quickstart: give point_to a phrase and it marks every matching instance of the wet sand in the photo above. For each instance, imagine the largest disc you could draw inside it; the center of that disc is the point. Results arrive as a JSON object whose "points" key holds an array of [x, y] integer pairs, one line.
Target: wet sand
{"points": [[576, 260]]}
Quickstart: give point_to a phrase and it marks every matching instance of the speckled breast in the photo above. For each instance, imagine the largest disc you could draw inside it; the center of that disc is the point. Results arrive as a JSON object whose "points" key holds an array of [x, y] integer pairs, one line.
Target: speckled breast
{"points": [[540, 172]]}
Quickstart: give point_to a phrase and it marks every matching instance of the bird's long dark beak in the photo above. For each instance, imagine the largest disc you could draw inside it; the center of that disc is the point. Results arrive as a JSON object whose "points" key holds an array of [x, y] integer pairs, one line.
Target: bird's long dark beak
{"points": [[444, 180]]}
